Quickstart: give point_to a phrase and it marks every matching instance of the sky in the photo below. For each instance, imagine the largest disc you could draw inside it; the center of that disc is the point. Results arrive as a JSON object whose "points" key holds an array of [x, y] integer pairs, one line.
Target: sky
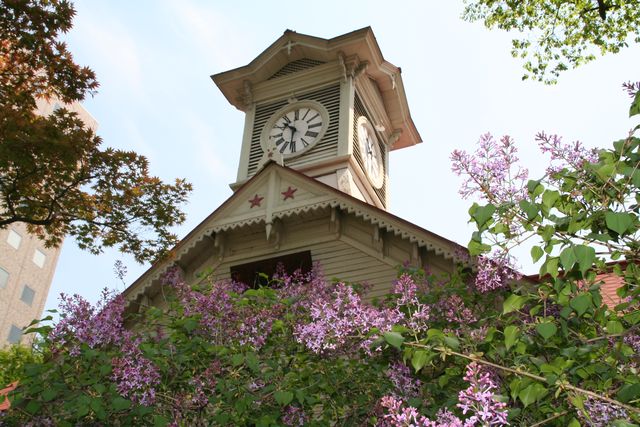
{"points": [[154, 60]]}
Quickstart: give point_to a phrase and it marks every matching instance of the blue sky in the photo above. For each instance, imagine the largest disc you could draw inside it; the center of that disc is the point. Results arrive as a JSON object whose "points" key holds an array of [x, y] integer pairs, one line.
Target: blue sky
{"points": [[154, 58]]}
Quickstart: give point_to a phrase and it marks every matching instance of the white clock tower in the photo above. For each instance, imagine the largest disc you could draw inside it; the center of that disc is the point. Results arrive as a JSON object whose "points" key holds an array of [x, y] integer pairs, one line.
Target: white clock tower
{"points": [[332, 109], [312, 187]]}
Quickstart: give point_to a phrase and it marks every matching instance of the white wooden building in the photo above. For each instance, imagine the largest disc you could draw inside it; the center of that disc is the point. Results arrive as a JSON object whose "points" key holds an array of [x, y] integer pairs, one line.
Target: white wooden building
{"points": [[322, 116]]}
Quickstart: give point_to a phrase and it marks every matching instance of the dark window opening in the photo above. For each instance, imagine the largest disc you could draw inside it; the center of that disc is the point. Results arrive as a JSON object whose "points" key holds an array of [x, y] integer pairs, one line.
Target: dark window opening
{"points": [[250, 273]]}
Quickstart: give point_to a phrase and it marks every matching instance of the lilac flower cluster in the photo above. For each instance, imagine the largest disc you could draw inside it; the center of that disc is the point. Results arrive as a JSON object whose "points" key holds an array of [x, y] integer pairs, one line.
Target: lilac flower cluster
{"points": [[294, 416], [404, 384], [478, 400], [563, 155], [631, 88], [342, 322], [453, 309], [134, 375], [399, 415], [82, 323], [495, 272], [633, 341], [221, 319], [491, 171], [601, 414], [419, 314], [100, 326], [204, 386]]}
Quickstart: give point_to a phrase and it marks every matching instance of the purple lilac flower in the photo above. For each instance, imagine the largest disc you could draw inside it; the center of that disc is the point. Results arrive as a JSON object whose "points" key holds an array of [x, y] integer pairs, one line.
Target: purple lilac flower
{"points": [[491, 172], [404, 384], [222, 320], [294, 416], [82, 323], [399, 415], [453, 309], [631, 88], [341, 323], [601, 414], [633, 341], [204, 386], [573, 155], [479, 400], [495, 272], [419, 314], [134, 375]]}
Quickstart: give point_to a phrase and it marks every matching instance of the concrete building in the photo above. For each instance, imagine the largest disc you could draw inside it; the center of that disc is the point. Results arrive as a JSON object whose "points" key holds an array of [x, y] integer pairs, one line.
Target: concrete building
{"points": [[26, 266]]}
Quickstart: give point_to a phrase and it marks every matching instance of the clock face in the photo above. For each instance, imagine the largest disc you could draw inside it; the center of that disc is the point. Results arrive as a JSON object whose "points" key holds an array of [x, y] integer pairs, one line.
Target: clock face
{"points": [[296, 128], [371, 154]]}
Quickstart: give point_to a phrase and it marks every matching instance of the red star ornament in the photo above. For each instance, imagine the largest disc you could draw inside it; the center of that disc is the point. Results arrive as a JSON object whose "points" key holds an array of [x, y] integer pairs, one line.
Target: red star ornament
{"points": [[256, 201], [289, 193]]}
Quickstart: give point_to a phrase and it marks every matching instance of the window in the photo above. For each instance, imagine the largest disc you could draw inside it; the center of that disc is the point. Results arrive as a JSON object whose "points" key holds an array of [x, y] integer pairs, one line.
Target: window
{"points": [[15, 334], [14, 239], [27, 295], [4, 278], [39, 258], [252, 273]]}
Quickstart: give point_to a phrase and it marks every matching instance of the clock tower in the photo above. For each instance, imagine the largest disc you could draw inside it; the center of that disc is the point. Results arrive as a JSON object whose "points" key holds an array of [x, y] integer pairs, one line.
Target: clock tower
{"points": [[321, 117], [332, 109]]}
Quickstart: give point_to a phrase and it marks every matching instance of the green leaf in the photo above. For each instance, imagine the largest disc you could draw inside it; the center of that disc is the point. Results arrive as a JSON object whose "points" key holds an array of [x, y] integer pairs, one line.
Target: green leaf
{"points": [[629, 392], [635, 105], [120, 404], [534, 188], [160, 421], [619, 222], [394, 339], [452, 342], [581, 303], [49, 394], [513, 303], [283, 397], [511, 336], [546, 330], [252, 362], [477, 248], [482, 214], [536, 253], [585, 255], [614, 327], [237, 359], [549, 198], [622, 423], [419, 359], [568, 258], [531, 209], [532, 393]]}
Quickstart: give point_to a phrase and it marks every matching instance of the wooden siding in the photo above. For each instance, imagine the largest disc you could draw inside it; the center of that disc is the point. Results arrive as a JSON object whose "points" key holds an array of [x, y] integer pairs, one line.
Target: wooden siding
{"points": [[348, 254]]}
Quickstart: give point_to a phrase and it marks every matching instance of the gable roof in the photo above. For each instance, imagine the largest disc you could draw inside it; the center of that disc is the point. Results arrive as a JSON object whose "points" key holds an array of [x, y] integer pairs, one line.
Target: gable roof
{"points": [[293, 46], [261, 200]]}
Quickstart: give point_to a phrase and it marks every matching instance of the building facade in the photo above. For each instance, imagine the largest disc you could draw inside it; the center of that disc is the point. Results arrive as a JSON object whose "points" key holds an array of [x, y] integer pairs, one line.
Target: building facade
{"points": [[26, 266], [321, 119]]}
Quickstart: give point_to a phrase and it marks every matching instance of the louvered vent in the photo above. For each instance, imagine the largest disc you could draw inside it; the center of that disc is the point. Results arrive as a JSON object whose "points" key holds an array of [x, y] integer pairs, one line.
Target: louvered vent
{"points": [[324, 149], [295, 66], [359, 111]]}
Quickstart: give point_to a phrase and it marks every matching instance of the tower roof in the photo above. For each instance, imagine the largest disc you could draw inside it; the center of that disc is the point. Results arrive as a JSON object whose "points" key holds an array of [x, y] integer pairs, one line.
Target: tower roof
{"points": [[292, 46]]}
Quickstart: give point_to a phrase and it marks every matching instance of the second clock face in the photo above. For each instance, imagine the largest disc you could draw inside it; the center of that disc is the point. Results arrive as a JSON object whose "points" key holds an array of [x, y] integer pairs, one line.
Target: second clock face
{"points": [[297, 129], [370, 151]]}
